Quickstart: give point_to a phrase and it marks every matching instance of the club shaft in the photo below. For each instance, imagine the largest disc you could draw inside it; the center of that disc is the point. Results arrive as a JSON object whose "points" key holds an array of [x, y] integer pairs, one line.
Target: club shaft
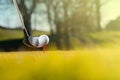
{"points": [[20, 18]]}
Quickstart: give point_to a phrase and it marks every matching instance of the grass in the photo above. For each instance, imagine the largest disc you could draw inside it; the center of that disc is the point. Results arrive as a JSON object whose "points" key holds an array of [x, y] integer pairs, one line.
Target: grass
{"points": [[6, 34], [107, 39], [10, 34], [87, 64], [101, 62], [94, 39]]}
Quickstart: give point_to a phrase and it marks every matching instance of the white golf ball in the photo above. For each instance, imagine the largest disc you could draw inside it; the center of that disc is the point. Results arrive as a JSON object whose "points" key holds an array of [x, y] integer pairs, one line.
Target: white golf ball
{"points": [[43, 40]]}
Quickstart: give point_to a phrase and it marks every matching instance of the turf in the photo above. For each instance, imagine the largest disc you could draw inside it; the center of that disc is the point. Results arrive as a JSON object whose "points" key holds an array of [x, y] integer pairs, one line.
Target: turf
{"points": [[6, 34], [87, 64]]}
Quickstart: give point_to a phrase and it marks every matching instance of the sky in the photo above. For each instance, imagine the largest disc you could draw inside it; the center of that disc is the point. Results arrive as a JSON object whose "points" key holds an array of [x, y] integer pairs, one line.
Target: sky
{"points": [[109, 11], [9, 18]]}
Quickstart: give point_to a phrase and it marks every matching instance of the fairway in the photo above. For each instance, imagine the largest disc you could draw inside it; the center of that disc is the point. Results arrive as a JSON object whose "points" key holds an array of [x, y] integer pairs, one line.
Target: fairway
{"points": [[59, 40], [98, 64]]}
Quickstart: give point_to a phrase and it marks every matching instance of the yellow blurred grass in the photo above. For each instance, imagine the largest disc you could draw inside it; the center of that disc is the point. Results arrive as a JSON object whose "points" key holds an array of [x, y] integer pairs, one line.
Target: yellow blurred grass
{"points": [[87, 64]]}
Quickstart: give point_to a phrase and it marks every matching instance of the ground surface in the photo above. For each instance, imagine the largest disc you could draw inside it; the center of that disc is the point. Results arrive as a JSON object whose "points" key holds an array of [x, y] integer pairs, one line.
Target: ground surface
{"points": [[87, 64]]}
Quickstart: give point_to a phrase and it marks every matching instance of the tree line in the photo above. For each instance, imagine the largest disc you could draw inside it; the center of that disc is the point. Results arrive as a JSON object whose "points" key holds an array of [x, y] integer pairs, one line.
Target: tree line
{"points": [[68, 19]]}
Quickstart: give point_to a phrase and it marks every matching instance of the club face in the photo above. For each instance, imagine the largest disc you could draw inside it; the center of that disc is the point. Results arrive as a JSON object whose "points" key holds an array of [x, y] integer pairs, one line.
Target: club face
{"points": [[27, 42]]}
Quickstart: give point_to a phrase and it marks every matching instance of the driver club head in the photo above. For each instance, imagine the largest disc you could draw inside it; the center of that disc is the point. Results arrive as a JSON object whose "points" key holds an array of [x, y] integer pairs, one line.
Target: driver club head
{"points": [[36, 42]]}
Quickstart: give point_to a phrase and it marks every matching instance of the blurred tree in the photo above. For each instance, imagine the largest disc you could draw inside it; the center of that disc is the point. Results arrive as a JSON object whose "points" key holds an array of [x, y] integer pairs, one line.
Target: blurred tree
{"points": [[114, 25], [84, 19], [49, 5], [70, 17], [67, 19], [58, 13], [27, 8], [99, 4]]}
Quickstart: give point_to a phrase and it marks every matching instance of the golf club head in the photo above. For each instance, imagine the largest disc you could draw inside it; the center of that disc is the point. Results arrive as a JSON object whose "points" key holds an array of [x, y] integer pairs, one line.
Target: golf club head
{"points": [[36, 42]]}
